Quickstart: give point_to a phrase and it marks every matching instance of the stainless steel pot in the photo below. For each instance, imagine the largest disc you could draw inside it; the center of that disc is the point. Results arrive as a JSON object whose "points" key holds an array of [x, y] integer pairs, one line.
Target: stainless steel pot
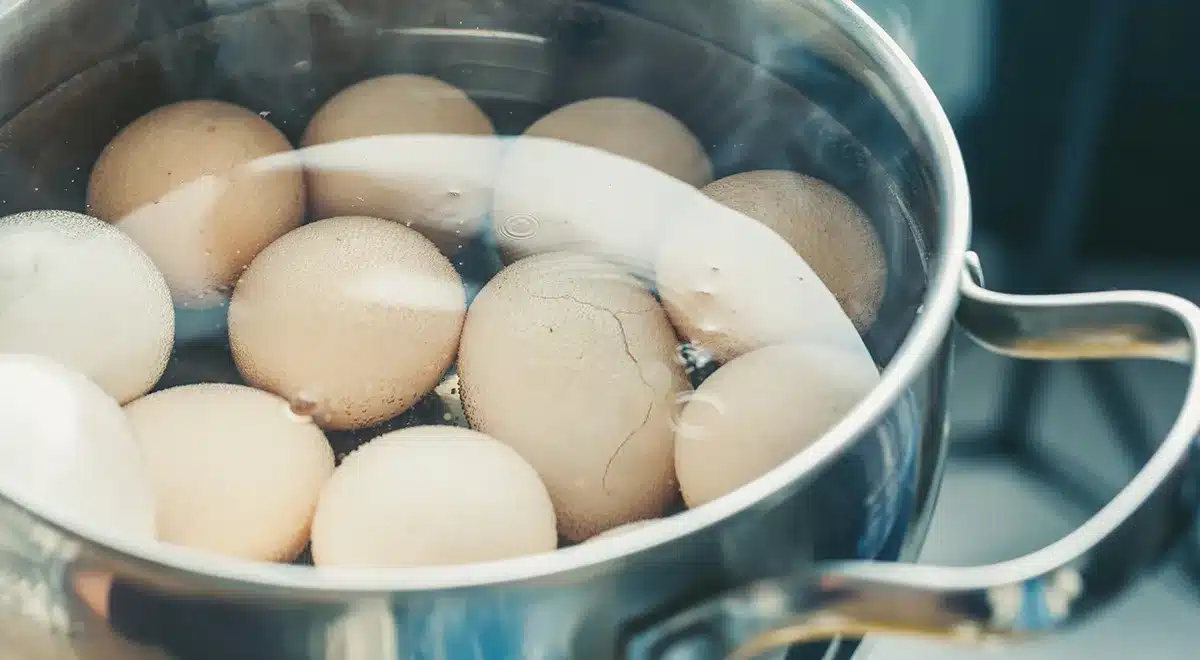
{"points": [[802, 555]]}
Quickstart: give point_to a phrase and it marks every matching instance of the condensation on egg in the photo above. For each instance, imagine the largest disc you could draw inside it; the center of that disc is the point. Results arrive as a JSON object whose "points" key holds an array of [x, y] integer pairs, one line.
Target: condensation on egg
{"points": [[76, 290], [69, 453], [432, 496], [354, 318], [570, 360]]}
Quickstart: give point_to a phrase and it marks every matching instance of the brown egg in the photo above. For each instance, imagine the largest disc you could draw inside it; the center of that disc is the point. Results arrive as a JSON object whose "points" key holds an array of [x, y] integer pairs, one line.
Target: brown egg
{"points": [[823, 225], [446, 199], [570, 361], [433, 495], [235, 471], [93, 589], [75, 289], [552, 198], [761, 409], [633, 129], [182, 182], [732, 285], [353, 319]]}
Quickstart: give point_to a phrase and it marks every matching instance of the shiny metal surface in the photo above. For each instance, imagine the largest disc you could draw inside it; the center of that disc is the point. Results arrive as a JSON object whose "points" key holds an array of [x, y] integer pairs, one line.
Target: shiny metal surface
{"points": [[862, 492], [1056, 586]]}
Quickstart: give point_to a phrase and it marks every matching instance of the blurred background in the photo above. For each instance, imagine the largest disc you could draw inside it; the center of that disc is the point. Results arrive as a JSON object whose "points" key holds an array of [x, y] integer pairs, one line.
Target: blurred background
{"points": [[1080, 124]]}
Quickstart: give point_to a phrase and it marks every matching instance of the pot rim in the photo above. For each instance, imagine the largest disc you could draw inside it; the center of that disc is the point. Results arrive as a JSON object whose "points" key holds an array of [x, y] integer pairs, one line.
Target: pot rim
{"points": [[917, 350]]}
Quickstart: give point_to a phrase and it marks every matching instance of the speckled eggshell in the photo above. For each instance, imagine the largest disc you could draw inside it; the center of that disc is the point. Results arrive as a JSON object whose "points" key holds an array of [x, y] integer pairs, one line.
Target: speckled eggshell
{"points": [[823, 225], [76, 290], [732, 285], [184, 182], [446, 199], [235, 471], [68, 452], [570, 361], [549, 198], [432, 496], [759, 410], [353, 318]]}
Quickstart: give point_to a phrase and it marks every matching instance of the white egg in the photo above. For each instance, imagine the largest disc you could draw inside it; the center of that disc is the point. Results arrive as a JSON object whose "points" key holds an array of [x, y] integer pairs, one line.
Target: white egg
{"points": [[68, 451], [77, 290], [432, 495]]}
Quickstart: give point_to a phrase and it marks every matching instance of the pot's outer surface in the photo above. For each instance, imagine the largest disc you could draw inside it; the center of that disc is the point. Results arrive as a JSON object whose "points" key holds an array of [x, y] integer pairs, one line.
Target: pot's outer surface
{"points": [[802, 84]]}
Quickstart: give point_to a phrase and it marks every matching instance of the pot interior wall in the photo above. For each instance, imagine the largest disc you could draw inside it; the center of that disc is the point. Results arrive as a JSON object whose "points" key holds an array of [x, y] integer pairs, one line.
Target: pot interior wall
{"points": [[794, 112]]}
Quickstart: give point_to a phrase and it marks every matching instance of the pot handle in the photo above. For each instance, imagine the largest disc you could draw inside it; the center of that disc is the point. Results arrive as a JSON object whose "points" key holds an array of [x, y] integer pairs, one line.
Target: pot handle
{"points": [[1053, 587]]}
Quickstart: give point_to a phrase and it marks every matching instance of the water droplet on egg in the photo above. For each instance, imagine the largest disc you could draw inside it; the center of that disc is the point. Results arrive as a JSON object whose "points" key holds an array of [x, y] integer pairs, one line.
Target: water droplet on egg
{"points": [[520, 227], [681, 403], [304, 407]]}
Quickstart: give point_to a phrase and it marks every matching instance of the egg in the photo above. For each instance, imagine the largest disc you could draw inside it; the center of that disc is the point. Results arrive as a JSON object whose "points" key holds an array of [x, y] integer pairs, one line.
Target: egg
{"points": [[552, 197], [433, 495], [823, 225], [181, 181], [732, 285], [570, 360], [236, 472], [446, 198], [354, 319], [759, 410], [633, 129], [68, 452], [76, 290]]}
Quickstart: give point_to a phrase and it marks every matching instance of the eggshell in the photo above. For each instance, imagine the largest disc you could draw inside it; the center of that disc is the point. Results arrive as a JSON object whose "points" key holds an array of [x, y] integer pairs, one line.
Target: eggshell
{"points": [[732, 285], [352, 318], [446, 199], [93, 589], [824, 226], [433, 495], [759, 410], [78, 291], [177, 180], [633, 129], [236, 472], [68, 452], [551, 197], [569, 360]]}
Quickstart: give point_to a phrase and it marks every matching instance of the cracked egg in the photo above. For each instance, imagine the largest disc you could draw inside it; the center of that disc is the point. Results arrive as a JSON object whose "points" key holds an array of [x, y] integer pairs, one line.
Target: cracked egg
{"points": [[571, 361]]}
